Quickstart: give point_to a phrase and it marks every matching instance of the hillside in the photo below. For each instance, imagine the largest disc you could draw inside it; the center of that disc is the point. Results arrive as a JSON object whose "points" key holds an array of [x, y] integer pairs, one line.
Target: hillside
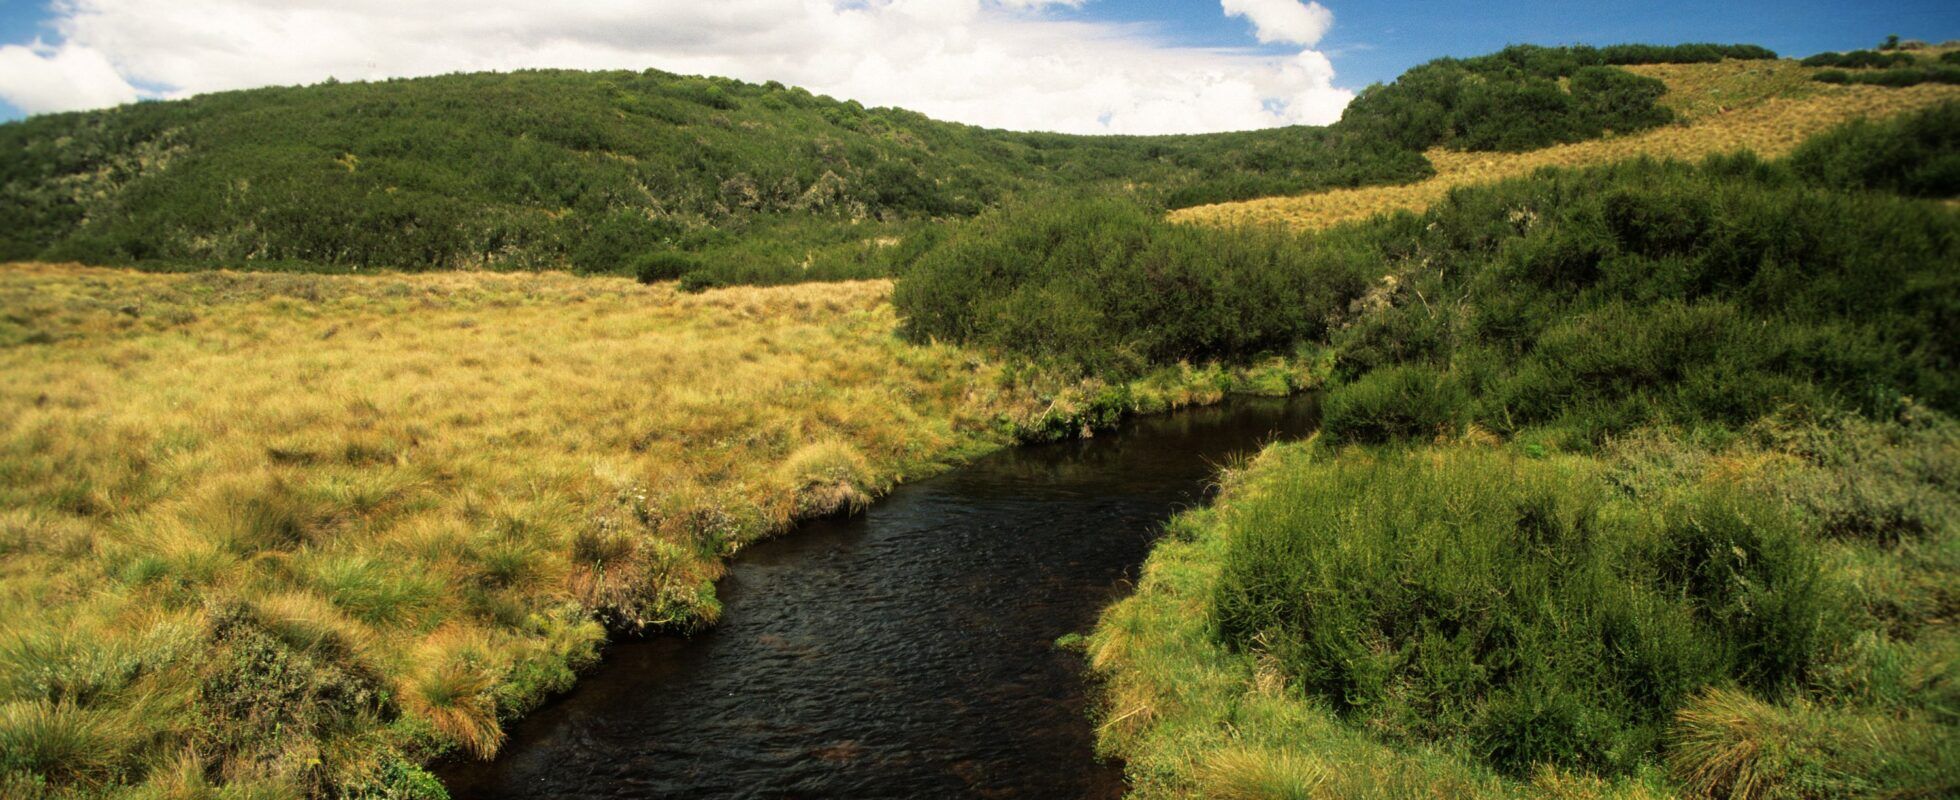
{"points": [[301, 534], [549, 169], [1768, 107], [618, 172]]}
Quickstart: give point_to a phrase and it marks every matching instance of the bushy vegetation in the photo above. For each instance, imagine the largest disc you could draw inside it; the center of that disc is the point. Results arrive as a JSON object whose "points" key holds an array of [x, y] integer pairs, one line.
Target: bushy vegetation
{"points": [[1592, 301], [1860, 59], [1106, 286], [1511, 606], [1634, 478], [1896, 78], [1917, 155], [1524, 97], [1664, 618], [591, 171], [600, 172]]}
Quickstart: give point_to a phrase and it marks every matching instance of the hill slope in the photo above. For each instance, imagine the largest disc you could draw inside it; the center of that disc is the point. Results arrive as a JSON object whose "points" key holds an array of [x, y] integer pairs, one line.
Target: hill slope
{"points": [[1765, 106], [754, 183], [545, 168]]}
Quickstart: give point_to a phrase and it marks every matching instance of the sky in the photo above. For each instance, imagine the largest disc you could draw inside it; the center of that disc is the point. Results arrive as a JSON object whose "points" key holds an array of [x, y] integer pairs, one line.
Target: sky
{"points": [[1081, 66]]}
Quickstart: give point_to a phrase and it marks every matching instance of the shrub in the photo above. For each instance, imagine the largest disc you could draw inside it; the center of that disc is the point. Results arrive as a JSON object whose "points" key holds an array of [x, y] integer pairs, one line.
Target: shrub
{"points": [[1512, 100], [1513, 604], [1859, 59], [1916, 154], [657, 267], [1895, 78], [1105, 286], [1397, 402]]}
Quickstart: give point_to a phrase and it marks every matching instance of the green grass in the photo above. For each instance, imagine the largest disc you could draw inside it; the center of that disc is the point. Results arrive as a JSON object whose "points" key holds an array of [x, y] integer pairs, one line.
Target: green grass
{"points": [[1637, 482], [1481, 621]]}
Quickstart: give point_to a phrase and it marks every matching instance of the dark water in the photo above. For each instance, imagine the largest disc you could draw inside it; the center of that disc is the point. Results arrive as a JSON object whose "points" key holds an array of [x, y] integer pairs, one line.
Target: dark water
{"points": [[908, 652]]}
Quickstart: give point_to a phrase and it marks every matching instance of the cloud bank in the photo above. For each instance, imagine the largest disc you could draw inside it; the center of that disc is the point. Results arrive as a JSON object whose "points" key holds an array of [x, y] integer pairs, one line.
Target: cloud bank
{"points": [[1000, 63]]}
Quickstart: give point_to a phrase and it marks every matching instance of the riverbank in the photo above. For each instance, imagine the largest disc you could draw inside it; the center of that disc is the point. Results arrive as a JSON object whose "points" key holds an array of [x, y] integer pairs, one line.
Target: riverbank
{"points": [[305, 533], [1633, 481], [1807, 651]]}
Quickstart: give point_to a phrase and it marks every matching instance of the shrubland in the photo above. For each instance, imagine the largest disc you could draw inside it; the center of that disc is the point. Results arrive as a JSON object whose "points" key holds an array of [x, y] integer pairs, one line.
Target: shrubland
{"points": [[601, 172], [1768, 107], [1634, 481]]}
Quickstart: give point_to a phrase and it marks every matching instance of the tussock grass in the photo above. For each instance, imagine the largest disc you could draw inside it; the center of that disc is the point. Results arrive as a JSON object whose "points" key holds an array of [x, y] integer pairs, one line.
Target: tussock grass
{"points": [[297, 534], [1768, 107], [1200, 705]]}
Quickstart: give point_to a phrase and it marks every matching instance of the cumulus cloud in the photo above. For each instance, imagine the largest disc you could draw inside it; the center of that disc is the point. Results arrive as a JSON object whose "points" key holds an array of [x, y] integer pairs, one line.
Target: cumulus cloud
{"points": [[1287, 21], [1003, 63], [40, 78]]}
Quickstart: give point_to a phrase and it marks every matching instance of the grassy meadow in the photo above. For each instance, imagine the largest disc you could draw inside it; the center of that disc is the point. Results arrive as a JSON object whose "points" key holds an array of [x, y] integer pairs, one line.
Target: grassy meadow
{"points": [[1636, 479], [1766, 107], [298, 534]]}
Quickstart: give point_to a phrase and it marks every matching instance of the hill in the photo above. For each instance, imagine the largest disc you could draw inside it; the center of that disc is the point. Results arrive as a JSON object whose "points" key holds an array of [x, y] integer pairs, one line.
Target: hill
{"points": [[550, 169], [618, 172], [1768, 107]]}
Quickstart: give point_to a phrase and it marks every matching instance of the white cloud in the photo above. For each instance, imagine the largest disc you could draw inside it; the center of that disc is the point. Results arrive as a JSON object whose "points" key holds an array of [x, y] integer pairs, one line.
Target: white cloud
{"points": [[40, 78], [1004, 63], [1288, 21]]}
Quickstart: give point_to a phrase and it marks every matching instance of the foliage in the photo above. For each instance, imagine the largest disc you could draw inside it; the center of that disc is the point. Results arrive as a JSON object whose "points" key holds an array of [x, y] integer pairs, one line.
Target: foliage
{"points": [[1916, 155], [587, 170], [1105, 286], [1595, 300], [1524, 97], [1502, 602], [1895, 78], [1860, 59], [1393, 403]]}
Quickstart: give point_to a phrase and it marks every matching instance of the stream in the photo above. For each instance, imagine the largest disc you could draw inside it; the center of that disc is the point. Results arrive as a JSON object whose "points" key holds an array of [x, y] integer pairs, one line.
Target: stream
{"points": [[905, 652]]}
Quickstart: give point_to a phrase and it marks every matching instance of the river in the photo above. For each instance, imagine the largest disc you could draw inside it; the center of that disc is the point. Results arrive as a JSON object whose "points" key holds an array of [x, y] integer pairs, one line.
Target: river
{"points": [[907, 652]]}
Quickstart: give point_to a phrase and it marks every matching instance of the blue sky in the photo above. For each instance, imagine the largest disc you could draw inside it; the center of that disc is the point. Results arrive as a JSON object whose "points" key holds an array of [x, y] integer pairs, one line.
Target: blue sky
{"points": [[1374, 41], [1368, 42]]}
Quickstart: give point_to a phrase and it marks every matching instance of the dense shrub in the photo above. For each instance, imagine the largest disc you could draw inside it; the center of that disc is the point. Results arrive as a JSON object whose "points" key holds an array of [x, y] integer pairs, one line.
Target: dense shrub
{"points": [[555, 169], [1398, 402], [1598, 300], [1918, 154], [1895, 78], [1515, 605], [656, 267], [1108, 286], [1647, 292], [1860, 59], [1512, 100]]}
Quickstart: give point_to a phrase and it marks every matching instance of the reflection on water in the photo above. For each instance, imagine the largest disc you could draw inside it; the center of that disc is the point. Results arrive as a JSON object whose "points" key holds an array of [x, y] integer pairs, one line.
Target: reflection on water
{"points": [[907, 652]]}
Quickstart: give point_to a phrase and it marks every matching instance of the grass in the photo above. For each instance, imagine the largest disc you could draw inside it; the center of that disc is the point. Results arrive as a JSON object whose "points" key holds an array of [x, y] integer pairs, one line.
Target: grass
{"points": [[280, 533], [1588, 518], [1199, 706], [1768, 107]]}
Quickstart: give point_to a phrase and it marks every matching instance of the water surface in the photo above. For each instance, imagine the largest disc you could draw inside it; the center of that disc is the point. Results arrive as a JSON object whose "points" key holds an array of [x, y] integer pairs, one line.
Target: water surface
{"points": [[906, 652]]}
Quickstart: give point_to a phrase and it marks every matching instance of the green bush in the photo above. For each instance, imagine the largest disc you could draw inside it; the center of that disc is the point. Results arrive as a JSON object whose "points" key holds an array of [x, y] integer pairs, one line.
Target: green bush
{"points": [[1642, 293], [1515, 605], [1860, 59], [1513, 100], [1107, 286], [656, 267], [1398, 402], [1895, 78], [1917, 154]]}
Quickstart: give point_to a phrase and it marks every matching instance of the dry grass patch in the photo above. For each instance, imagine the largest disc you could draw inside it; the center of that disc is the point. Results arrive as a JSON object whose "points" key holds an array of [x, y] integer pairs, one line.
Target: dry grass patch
{"points": [[343, 524]]}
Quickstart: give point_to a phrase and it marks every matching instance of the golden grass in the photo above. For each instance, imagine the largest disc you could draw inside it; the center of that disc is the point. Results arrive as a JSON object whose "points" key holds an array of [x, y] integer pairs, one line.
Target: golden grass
{"points": [[290, 528], [1765, 106]]}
